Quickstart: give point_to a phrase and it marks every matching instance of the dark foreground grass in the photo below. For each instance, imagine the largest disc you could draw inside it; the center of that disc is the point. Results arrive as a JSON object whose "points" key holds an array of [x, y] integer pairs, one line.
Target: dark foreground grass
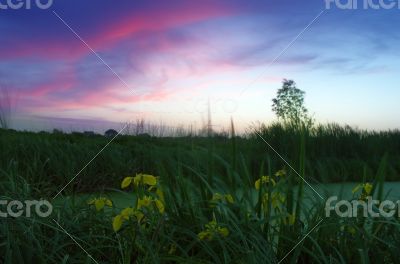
{"points": [[290, 225]]}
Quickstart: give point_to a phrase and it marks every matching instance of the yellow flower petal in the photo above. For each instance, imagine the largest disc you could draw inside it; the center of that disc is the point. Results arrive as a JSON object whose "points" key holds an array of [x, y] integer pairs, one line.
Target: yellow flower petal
{"points": [[257, 184], [160, 194], [127, 212], [212, 224], [108, 203], [217, 197], [149, 180], [172, 249], [263, 180], [280, 173], [229, 198], [160, 206], [126, 182], [99, 204], [145, 179], [145, 202], [139, 215], [211, 229], [117, 223], [204, 235], [223, 231], [368, 188], [355, 189]]}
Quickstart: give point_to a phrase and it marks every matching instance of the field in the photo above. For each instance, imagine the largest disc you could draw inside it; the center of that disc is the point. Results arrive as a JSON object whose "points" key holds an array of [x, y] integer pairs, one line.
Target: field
{"points": [[192, 199]]}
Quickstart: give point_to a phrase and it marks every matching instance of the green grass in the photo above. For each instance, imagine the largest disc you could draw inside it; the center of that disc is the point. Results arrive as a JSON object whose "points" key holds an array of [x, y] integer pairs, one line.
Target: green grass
{"points": [[191, 170], [332, 154]]}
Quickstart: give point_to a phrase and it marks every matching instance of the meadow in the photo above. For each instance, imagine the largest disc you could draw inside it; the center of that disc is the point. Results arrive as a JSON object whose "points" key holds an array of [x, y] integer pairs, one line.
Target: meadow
{"points": [[221, 198]]}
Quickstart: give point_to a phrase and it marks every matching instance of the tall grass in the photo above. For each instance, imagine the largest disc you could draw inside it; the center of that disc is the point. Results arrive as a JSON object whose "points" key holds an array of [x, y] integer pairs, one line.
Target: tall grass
{"points": [[191, 170], [334, 154]]}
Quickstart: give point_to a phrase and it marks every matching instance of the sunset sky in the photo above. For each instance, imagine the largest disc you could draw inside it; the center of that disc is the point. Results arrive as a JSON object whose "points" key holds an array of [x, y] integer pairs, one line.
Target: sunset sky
{"points": [[173, 57]]}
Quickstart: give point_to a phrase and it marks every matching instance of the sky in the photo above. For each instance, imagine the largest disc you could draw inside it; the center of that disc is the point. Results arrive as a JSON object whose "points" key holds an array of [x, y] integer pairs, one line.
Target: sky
{"points": [[89, 65]]}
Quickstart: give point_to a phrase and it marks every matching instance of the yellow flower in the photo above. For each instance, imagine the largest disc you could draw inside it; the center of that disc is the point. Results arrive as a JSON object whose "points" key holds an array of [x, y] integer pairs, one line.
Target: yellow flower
{"points": [[117, 223], [223, 231], [145, 202], [148, 201], [125, 215], [367, 188], [145, 179], [212, 229], [126, 182], [280, 173], [264, 180], [217, 197], [229, 198], [205, 235], [160, 206], [160, 194], [127, 212], [100, 202], [140, 178], [172, 249]]}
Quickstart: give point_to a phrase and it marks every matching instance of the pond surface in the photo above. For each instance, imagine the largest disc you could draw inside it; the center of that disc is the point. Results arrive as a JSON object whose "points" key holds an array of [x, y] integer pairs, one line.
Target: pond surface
{"points": [[342, 190]]}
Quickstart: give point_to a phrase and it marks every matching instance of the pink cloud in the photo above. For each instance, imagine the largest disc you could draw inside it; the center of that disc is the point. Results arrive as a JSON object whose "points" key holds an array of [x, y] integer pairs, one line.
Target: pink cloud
{"points": [[101, 98], [109, 34], [59, 83]]}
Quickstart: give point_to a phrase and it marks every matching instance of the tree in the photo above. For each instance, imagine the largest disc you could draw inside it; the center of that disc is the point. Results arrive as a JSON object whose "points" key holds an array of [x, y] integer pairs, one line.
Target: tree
{"points": [[289, 104]]}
